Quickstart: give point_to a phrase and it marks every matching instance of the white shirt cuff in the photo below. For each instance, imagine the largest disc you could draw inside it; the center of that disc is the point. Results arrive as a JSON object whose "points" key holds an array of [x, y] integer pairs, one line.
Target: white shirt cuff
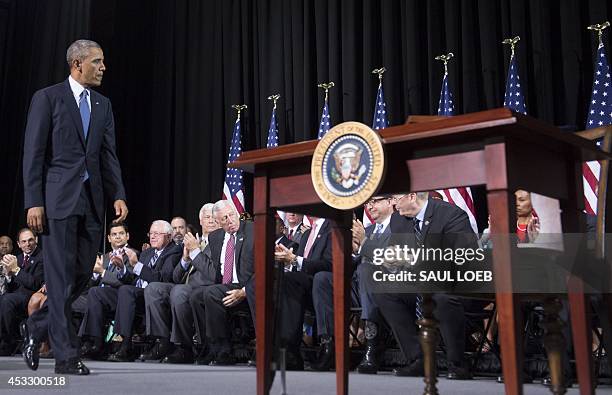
{"points": [[95, 276], [137, 268], [194, 253], [299, 263], [184, 264]]}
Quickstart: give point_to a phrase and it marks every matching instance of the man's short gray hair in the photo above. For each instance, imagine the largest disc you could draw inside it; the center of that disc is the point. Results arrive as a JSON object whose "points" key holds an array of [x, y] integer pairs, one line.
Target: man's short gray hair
{"points": [[422, 195], [206, 207], [220, 205], [165, 225], [79, 49]]}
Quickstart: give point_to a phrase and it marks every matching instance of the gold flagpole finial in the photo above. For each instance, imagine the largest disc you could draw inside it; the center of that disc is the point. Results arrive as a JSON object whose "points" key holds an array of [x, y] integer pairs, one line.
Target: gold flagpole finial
{"points": [[445, 59], [239, 108], [274, 98], [380, 73], [599, 27], [326, 86], [512, 42]]}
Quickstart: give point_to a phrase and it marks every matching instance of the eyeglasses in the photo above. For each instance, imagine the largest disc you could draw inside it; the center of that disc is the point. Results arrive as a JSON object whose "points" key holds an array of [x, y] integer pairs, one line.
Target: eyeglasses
{"points": [[373, 201], [156, 234]]}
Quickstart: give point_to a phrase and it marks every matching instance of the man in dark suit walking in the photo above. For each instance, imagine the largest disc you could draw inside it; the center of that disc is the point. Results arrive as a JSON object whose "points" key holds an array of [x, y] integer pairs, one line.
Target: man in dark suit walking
{"points": [[228, 262], [25, 275], [69, 167], [428, 223]]}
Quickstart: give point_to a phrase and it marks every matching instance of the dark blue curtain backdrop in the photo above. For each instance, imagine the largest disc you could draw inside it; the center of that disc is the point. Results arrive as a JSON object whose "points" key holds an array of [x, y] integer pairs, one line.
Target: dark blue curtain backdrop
{"points": [[175, 67]]}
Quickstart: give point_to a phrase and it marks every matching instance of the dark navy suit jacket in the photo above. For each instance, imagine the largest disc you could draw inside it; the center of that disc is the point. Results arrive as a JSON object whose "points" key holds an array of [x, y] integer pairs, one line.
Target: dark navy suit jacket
{"points": [[56, 153]]}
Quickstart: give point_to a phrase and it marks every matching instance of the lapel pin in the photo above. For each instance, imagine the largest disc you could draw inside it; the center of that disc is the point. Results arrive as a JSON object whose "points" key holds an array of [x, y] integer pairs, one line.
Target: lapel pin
{"points": [[97, 103], [426, 223], [240, 239]]}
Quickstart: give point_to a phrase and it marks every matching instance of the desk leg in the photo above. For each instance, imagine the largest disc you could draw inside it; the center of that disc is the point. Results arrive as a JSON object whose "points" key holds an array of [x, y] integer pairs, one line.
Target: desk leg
{"points": [[264, 231], [510, 334], [582, 335], [429, 340], [341, 255]]}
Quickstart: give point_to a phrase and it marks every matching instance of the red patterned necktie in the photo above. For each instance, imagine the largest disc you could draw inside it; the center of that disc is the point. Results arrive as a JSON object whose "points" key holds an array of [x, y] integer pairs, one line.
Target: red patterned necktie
{"points": [[228, 265], [311, 240], [26, 261], [291, 234]]}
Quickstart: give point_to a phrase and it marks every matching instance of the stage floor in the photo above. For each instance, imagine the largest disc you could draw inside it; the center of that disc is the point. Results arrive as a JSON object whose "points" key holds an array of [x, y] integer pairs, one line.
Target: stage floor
{"points": [[108, 378]]}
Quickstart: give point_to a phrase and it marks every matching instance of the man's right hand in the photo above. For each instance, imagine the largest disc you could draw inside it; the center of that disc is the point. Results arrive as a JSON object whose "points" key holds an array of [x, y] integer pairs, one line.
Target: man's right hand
{"points": [[191, 242], [98, 266], [36, 219], [132, 258]]}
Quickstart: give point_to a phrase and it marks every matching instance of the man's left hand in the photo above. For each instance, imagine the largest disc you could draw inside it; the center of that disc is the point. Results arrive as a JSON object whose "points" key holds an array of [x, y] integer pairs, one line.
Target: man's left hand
{"points": [[121, 210], [10, 263], [234, 296]]}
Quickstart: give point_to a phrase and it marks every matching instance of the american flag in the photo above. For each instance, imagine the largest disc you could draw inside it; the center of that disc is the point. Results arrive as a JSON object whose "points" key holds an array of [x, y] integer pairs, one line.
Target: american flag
{"points": [[462, 196], [379, 121], [514, 99], [325, 121], [232, 187], [272, 131], [600, 114], [445, 105]]}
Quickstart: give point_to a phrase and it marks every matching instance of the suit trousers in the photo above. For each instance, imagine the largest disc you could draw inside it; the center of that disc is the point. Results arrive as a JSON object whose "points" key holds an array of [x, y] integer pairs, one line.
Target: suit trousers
{"points": [[168, 312], [207, 305], [101, 303], [400, 312], [130, 301], [296, 297], [323, 300], [13, 308], [69, 253]]}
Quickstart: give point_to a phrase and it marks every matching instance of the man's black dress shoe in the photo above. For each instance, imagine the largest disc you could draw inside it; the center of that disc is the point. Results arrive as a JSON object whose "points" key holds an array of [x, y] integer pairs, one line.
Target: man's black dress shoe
{"points": [[458, 371], [122, 355], [369, 362], [179, 355], [30, 347], [414, 369], [73, 366], [224, 358], [90, 351], [326, 357]]}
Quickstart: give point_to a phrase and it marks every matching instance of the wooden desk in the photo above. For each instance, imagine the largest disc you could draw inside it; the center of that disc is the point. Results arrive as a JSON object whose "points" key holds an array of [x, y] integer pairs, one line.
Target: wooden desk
{"points": [[502, 150]]}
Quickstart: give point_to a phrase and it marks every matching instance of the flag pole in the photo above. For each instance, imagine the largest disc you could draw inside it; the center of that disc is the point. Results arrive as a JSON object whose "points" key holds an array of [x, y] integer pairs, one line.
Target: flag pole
{"points": [[380, 73], [239, 108], [445, 59], [326, 86], [512, 42], [599, 27], [274, 98]]}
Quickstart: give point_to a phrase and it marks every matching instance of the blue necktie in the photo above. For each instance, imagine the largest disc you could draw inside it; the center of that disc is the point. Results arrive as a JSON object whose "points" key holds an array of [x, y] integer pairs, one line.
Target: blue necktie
{"points": [[85, 112], [85, 117]]}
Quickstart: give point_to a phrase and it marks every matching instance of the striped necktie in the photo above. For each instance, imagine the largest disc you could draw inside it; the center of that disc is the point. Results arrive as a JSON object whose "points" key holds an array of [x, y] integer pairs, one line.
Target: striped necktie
{"points": [[151, 264], [418, 236]]}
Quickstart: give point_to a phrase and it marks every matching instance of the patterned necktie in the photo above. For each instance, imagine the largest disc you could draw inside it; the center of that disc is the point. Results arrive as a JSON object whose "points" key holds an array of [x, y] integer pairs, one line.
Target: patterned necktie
{"points": [[85, 112], [140, 282], [291, 234], [26, 261], [311, 239], [418, 236], [228, 265]]}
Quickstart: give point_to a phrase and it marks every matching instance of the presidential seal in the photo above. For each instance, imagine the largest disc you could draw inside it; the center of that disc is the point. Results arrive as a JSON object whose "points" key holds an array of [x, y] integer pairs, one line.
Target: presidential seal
{"points": [[348, 165]]}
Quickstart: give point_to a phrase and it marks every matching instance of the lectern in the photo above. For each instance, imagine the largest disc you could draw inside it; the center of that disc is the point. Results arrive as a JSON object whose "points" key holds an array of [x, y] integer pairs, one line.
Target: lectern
{"points": [[499, 149]]}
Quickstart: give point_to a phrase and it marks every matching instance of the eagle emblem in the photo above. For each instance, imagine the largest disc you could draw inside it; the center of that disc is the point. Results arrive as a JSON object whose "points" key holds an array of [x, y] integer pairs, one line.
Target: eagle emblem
{"points": [[347, 170]]}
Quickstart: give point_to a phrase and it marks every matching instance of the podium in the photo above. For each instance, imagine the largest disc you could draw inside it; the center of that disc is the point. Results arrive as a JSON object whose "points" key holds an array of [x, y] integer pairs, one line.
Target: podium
{"points": [[502, 150]]}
